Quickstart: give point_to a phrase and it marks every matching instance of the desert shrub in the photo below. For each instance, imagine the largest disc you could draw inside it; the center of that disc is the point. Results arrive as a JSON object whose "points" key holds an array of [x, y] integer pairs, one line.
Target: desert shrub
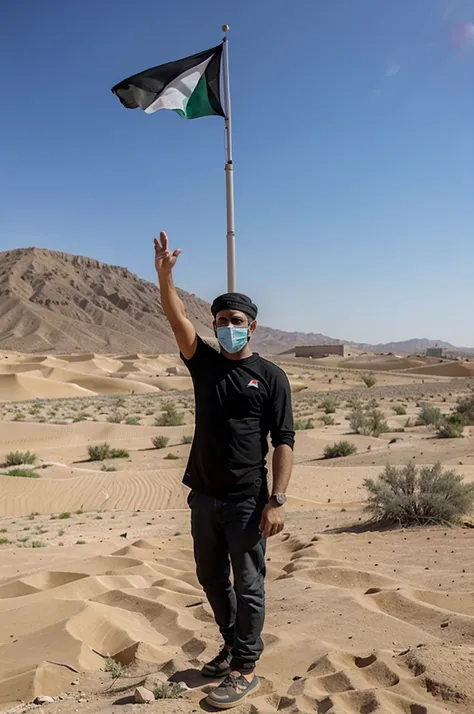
{"points": [[301, 424], [99, 452], [105, 467], [167, 690], [115, 669], [119, 454], [119, 402], [19, 417], [358, 419], [452, 427], [16, 458], [37, 544], [369, 422], [377, 424], [171, 457], [406, 496], [170, 416], [354, 403], [187, 440], [22, 473], [132, 421], [399, 410], [327, 420], [465, 406], [339, 448], [160, 442], [409, 423], [429, 416], [368, 379], [64, 515], [4, 541], [114, 419], [329, 404]]}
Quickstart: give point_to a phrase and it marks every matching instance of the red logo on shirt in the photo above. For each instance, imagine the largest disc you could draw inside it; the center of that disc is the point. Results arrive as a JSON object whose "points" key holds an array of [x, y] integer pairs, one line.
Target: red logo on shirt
{"points": [[253, 383]]}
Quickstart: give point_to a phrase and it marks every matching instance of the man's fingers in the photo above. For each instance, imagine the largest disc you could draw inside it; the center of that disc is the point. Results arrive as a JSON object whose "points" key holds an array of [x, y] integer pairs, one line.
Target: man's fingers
{"points": [[177, 252], [164, 240]]}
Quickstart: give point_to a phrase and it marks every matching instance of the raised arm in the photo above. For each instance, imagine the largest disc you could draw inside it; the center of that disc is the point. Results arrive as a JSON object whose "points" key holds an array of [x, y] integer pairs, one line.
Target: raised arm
{"points": [[173, 307]]}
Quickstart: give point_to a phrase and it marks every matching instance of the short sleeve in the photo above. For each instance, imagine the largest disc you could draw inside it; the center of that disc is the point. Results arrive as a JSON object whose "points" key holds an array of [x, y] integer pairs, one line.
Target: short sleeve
{"points": [[202, 357]]}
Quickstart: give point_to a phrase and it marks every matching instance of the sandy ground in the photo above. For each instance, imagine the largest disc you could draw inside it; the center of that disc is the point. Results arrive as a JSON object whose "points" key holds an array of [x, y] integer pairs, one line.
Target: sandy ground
{"points": [[96, 559]]}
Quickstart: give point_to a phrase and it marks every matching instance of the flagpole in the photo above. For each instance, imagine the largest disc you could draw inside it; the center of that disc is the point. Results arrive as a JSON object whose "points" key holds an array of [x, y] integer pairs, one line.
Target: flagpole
{"points": [[229, 173]]}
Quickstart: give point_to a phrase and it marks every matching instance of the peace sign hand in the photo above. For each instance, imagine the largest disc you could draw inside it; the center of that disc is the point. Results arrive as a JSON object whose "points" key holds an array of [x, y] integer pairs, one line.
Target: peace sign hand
{"points": [[165, 260]]}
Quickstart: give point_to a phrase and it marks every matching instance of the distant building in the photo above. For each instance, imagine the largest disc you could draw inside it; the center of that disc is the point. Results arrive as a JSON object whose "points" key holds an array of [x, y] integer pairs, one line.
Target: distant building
{"points": [[318, 351], [434, 352]]}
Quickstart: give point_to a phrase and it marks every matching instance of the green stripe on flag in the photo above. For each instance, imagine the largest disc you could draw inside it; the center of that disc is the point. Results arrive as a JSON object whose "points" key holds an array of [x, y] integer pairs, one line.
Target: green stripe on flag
{"points": [[198, 104]]}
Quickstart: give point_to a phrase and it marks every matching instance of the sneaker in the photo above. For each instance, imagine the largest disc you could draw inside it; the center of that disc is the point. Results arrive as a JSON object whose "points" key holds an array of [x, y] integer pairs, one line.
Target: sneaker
{"points": [[232, 691], [219, 666]]}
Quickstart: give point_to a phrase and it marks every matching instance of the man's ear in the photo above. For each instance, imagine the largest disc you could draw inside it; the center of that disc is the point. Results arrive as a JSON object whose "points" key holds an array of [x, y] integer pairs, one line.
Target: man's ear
{"points": [[252, 327]]}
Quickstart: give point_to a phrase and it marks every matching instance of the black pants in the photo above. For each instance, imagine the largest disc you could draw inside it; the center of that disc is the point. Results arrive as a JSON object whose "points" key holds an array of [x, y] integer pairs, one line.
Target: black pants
{"points": [[225, 533]]}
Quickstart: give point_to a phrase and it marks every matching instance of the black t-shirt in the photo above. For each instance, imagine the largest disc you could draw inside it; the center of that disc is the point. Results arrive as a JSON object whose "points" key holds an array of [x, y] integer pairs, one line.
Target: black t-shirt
{"points": [[238, 404]]}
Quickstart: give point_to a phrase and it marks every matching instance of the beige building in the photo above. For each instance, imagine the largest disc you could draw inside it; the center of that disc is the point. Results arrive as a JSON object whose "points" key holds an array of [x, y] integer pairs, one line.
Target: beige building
{"points": [[317, 351], [434, 352]]}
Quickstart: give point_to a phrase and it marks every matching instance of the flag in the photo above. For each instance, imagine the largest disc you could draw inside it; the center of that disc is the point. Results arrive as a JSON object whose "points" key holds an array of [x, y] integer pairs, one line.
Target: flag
{"points": [[189, 86]]}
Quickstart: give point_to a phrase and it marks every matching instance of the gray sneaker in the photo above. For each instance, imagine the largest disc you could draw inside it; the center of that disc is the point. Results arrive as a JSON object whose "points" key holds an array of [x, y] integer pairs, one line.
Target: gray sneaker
{"points": [[220, 665], [232, 691]]}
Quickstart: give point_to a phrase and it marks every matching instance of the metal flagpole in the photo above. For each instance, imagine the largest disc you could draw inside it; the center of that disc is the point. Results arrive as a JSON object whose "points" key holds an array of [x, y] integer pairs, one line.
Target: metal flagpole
{"points": [[229, 173]]}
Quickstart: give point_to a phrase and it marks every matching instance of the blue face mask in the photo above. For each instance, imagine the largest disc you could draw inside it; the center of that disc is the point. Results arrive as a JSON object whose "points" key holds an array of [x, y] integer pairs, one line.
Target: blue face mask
{"points": [[232, 339]]}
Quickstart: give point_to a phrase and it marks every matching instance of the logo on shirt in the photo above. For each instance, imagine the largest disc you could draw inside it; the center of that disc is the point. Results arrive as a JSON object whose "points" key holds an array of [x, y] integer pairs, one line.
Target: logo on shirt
{"points": [[253, 383]]}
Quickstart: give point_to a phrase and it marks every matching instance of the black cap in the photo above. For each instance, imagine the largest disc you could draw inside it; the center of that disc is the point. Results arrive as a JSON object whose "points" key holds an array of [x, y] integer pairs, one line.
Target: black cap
{"points": [[235, 301]]}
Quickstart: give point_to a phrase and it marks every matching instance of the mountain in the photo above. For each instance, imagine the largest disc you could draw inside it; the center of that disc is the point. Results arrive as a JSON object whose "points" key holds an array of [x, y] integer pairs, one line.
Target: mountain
{"points": [[55, 302], [52, 301], [413, 346]]}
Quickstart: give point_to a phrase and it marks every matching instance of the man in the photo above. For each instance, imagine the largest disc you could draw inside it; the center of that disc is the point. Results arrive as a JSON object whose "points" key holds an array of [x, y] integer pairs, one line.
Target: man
{"points": [[240, 399]]}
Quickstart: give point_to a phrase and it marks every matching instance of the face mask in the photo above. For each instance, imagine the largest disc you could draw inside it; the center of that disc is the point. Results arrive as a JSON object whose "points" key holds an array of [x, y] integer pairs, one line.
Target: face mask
{"points": [[232, 339]]}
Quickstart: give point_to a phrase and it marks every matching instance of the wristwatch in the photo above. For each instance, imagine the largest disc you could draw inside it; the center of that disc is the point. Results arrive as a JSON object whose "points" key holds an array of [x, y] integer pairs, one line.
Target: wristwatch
{"points": [[279, 499]]}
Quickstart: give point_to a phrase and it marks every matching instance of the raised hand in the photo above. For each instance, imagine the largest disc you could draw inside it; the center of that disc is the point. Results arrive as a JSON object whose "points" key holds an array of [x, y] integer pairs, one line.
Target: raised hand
{"points": [[165, 260]]}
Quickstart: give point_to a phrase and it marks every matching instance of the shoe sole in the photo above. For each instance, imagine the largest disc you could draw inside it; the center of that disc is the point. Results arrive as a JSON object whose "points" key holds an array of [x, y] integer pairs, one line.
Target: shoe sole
{"points": [[232, 705]]}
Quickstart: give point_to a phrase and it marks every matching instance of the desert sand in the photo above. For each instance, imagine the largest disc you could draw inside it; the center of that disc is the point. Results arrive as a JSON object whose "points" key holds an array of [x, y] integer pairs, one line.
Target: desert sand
{"points": [[96, 559]]}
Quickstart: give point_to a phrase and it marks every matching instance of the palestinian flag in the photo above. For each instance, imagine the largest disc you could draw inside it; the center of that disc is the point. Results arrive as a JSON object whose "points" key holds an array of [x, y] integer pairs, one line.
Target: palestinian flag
{"points": [[189, 86]]}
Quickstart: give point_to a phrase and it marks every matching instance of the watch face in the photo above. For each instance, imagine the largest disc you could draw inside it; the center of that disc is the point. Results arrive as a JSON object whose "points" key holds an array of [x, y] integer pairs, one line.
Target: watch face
{"points": [[280, 498]]}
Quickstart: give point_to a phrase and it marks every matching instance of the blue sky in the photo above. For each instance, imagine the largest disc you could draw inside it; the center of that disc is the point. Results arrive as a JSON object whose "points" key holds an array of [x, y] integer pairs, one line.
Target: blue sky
{"points": [[353, 152]]}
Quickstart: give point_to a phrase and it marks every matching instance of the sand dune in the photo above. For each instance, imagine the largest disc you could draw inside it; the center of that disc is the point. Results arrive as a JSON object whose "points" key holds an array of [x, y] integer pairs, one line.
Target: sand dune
{"points": [[448, 369], [33, 385], [369, 624], [96, 560], [49, 377]]}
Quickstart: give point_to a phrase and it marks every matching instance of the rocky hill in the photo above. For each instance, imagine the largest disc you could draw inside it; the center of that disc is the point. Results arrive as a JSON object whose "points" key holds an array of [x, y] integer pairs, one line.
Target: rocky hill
{"points": [[56, 302], [52, 301]]}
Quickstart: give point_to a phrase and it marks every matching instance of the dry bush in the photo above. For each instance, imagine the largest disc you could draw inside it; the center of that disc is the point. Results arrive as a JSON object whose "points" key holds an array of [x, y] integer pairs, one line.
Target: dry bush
{"points": [[303, 424], [406, 496], [369, 380], [160, 442], [329, 404], [429, 416], [99, 452], [339, 448], [369, 422], [170, 416], [167, 690], [452, 427], [17, 458], [465, 407], [22, 473]]}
